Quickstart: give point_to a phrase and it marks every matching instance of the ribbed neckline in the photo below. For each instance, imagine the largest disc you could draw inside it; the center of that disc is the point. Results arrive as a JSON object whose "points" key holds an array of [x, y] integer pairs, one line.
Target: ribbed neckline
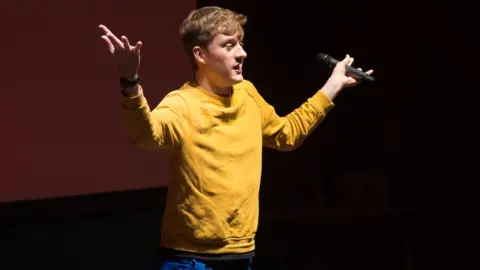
{"points": [[221, 100]]}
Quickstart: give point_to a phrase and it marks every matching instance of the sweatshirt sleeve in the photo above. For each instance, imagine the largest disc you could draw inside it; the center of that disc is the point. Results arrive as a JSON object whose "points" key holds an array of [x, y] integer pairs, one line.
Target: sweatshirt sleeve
{"points": [[164, 126], [288, 132]]}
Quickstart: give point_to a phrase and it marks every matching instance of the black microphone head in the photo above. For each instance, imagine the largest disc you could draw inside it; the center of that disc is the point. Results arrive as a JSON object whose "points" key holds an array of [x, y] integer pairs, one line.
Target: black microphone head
{"points": [[327, 59], [322, 56]]}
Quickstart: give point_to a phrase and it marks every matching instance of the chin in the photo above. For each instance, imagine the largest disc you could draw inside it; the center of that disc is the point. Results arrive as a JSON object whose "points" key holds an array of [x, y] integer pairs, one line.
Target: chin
{"points": [[237, 78], [231, 80]]}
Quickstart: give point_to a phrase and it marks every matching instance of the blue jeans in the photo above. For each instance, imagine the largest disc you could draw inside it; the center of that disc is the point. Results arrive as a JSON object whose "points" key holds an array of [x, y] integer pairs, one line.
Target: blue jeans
{"points": [[179, 263]]}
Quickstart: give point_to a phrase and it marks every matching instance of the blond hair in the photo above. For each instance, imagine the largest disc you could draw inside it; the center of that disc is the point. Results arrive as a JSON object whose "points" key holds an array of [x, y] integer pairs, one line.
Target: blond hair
{"points": [[203, 24]]}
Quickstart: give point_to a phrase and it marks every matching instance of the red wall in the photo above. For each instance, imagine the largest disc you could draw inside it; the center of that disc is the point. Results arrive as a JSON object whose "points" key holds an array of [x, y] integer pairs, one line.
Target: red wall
{"points": [[61, 133]]}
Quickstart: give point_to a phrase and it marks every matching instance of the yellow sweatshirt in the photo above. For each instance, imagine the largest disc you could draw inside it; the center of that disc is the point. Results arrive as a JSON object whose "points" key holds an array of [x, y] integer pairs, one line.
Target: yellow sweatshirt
{"points": [[216, 159]]}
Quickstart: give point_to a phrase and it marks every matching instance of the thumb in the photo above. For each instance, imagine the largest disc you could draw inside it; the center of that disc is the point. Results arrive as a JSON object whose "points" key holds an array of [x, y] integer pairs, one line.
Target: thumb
{"points": [[341, 65], [346, 59]]}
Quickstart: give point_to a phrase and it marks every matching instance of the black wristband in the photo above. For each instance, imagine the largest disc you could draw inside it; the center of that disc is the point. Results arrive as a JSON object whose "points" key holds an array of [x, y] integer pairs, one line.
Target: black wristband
{"points": [[128, 83]]}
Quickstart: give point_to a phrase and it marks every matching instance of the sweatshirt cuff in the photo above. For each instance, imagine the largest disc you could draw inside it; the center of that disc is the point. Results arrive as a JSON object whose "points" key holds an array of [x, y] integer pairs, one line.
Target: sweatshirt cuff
{"points": [[323, 103], [135, 102]]}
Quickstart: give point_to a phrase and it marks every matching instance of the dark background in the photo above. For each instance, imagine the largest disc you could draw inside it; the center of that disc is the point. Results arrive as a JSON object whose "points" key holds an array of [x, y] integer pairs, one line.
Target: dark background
{"points": [[385, 182]]}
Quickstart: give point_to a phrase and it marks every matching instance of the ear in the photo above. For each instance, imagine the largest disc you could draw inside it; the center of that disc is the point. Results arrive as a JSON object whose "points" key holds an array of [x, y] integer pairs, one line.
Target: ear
{"points": [[199, 55]]}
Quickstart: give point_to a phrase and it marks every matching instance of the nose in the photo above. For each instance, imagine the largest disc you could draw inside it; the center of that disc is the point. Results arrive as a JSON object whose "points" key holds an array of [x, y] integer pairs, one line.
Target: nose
{"points": [[241, 53]]}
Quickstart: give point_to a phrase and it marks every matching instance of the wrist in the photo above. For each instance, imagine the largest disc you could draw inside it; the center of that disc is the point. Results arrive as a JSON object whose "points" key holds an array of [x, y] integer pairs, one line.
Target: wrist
{"points": [[131, 91], [130, 81], [331, 89]]}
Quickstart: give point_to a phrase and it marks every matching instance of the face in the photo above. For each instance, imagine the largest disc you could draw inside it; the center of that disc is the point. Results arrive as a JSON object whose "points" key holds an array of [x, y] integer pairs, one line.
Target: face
{"points": [[223, 60]]}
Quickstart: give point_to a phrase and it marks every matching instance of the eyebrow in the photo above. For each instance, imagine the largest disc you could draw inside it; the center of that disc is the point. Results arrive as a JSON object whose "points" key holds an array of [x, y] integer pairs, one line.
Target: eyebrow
{"points": [[230, 40], [233, 40]]}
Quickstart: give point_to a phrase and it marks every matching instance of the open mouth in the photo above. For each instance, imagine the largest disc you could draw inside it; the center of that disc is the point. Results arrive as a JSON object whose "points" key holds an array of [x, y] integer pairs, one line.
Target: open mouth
{"points": [[238, 68]]}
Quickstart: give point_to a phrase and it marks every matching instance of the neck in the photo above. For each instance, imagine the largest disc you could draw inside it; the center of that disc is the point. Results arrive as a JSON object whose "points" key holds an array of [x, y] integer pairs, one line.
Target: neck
{"points": [[208, 85]]}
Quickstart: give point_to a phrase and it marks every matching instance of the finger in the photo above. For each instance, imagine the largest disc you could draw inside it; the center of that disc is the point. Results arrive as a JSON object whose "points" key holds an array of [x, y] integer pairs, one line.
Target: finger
{"points": [[111, 48], [350, 61], [126, 43], [369, 72], [359, 69], [115, 41], [346, 59], [138, 46], [352, 81], [104, 29]]}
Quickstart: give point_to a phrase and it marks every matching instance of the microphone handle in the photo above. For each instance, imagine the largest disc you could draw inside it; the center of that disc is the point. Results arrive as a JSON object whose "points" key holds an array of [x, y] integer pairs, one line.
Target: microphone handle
{"points": [[351, 71], [358, 74]]}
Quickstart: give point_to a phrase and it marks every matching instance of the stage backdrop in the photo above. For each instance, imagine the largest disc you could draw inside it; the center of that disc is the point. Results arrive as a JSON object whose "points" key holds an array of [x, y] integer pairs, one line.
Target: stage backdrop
{"points": [[61, 133]]}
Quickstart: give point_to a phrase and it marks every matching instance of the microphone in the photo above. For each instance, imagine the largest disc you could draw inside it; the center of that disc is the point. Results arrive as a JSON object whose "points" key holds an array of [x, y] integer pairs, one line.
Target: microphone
{"points": [[353, 72]]}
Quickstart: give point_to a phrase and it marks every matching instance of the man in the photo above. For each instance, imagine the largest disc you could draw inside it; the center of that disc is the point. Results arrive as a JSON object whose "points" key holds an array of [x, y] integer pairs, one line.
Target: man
{"points": [[215, 127]]}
